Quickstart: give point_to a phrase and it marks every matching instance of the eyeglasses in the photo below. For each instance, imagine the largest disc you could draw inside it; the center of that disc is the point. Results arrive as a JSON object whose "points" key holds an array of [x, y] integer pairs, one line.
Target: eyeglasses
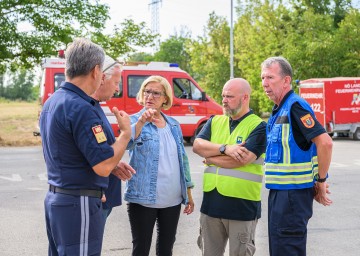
{"points": [[121, 63], [154, 93]]}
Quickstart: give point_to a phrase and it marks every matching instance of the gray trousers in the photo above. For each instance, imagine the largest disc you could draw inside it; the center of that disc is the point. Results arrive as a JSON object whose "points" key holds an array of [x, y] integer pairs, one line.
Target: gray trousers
{"points": [[216, 232]]}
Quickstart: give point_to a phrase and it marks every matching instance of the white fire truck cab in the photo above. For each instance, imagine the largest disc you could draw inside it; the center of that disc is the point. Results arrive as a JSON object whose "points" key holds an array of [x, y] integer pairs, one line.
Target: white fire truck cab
{"points": [[191, 106]]}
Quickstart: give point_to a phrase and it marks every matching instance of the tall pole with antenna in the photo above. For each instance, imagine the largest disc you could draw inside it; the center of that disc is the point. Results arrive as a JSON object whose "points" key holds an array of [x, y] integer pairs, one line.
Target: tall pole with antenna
{"points": [[155, 18]]}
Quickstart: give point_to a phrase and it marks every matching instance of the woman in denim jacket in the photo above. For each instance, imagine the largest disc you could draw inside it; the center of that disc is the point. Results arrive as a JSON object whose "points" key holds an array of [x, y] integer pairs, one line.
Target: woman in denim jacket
{"points": [[162, 181]]}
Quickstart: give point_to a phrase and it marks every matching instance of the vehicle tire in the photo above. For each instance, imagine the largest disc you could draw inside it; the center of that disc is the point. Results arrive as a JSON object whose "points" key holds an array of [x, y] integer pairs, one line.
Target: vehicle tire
{"points": [[187, 139], [356, 135], [196, 133]]}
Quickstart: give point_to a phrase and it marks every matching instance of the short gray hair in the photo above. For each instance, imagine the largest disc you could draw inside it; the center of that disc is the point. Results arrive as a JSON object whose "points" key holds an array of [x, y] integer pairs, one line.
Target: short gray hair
{"points": [[81, 56], [109, 66], [285, 67]]}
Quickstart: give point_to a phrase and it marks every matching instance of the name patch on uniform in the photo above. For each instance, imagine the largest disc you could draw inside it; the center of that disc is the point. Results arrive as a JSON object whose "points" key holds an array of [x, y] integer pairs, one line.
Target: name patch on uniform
{"points": [[308, 121], [99, 133]]}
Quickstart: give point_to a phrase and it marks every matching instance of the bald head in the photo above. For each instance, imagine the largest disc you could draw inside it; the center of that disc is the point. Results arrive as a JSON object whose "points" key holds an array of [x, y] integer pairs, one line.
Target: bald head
{"points": [[236, 97], [238, 84]]}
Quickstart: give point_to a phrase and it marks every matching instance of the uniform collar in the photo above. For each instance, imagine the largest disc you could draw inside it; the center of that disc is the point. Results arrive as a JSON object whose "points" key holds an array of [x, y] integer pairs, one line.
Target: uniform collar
{"points": [[277, 107], [71, 87]]}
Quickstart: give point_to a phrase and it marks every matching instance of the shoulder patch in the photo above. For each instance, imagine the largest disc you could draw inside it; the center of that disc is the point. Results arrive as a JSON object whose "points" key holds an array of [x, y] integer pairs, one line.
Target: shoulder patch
{"points": [[99, 133], [308, 121]]}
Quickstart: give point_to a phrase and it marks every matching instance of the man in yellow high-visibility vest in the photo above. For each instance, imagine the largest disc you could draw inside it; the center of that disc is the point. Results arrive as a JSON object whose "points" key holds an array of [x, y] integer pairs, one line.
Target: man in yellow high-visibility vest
{"points": [[233, 145]]}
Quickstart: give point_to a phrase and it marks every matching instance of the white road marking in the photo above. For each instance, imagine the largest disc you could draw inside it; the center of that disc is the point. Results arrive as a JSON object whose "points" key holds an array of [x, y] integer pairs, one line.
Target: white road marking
{"points": [[14, 177], [42, 176]]}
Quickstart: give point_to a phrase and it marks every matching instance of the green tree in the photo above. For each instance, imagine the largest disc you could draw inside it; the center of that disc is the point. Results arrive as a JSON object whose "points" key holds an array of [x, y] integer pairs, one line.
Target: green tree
{"points": [[125, 38], [173, 50], [210, 56], [20, 86], [347, 45], [2, 88], [54, 23], [310, 45], [337, 9], [260, 32], [140, 57]]}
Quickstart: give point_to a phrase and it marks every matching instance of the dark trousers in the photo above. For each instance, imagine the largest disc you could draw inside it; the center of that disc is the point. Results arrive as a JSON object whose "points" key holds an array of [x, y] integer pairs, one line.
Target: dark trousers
{"points": [[142, 221], [288, 215], [75, 224]]}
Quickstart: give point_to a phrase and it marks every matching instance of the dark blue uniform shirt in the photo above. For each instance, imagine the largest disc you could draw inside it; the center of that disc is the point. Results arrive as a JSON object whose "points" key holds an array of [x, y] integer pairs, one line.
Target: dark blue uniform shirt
{"points": [[218, 206], [69, 143], [113, 192]]}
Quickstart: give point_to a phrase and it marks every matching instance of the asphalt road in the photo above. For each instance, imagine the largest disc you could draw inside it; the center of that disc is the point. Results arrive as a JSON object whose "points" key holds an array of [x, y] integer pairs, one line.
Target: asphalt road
{"points": [[333, 230]]}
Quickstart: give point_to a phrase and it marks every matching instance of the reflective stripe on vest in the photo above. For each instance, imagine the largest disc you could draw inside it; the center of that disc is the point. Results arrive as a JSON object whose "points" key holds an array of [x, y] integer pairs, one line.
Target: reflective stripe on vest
{"points": [[234, 173], [287, 167], [242, 182]]}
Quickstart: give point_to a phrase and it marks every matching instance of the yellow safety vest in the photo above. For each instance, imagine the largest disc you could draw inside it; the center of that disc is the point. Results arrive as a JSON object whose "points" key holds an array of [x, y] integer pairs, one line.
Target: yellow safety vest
{"points": [[243, 182]]}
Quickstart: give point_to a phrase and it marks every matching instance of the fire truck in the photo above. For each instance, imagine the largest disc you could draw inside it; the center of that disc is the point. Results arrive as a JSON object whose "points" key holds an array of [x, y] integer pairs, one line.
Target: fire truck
{"points": [[336, 103], [192, 107]]}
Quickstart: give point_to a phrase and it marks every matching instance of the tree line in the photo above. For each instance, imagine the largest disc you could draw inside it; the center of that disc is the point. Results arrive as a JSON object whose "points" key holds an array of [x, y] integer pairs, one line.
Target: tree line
{"points": [[319, 38]]}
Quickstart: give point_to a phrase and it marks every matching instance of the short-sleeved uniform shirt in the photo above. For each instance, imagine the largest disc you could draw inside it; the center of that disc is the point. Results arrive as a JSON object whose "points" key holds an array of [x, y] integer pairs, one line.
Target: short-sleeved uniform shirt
{"points": [[218, 206], [302, 134], [75, 138]]}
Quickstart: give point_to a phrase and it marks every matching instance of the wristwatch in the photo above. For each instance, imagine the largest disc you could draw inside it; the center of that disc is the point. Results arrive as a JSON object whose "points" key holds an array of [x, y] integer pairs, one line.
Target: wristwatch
{"points": [[222, 149], [318, 179]]}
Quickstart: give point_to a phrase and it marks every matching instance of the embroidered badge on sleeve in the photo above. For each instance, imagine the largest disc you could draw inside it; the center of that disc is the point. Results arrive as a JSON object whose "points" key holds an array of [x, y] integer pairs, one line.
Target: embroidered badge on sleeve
{"points": [[99, 133], [308, 121]]}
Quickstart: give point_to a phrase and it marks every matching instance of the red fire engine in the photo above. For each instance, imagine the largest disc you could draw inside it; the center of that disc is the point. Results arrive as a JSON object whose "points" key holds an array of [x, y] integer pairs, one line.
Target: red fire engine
{"points": [[191, 106]]}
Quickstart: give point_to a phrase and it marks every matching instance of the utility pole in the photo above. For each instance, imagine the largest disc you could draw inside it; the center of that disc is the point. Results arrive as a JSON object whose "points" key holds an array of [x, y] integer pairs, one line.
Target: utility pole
{"points": [[231, 42]]}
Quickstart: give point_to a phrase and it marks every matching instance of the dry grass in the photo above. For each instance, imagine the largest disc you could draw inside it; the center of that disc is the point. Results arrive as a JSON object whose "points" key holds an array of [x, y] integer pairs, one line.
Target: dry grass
{"points": [[18, 120]]}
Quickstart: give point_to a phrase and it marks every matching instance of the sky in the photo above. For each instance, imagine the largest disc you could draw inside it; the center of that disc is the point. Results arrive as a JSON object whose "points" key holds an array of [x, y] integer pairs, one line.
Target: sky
{"points": [[173, 14]]}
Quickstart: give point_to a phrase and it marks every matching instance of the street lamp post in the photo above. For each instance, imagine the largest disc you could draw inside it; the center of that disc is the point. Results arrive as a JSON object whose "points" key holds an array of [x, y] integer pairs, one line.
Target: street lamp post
{"points": [[231, 43]]}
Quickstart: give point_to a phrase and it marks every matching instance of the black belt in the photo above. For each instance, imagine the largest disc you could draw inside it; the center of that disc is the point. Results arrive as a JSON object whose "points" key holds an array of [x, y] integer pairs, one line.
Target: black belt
{"points": [[77, 192]]}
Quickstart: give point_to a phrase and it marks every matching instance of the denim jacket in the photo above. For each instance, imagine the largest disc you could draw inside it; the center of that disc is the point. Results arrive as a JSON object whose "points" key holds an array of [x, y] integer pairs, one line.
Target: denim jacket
{"points": [[141, 188]]}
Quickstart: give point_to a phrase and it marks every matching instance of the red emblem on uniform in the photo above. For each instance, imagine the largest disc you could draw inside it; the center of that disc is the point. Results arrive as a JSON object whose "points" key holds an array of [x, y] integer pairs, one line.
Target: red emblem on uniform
{"points": [[99, 133], [308, 121]]}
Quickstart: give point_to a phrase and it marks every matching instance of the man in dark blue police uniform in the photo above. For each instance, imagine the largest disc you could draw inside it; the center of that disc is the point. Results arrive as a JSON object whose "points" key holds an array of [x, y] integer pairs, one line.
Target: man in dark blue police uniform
{"points": [[298, 156], [78, 155], [108, 87]]}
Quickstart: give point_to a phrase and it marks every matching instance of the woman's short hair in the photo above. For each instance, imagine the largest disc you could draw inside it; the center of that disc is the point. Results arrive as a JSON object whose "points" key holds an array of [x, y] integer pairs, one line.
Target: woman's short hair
{"points": [[167, 88]]}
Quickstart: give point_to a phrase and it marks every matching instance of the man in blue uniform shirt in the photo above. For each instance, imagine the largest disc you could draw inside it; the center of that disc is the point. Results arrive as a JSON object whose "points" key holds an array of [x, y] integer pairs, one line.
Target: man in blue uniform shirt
{"points": [[78, 156], [108, 87], [298, 153]]}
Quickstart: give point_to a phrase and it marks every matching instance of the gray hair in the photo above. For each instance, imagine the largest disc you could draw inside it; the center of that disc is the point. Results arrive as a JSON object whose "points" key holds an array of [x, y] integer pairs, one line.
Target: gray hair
{"points": [[110, 65], [82, 56], [285, 67]]}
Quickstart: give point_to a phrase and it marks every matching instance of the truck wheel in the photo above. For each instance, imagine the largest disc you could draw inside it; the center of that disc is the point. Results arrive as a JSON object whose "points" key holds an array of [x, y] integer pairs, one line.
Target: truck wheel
{"points": [[196, 133], [356, 135], [187, 139]]}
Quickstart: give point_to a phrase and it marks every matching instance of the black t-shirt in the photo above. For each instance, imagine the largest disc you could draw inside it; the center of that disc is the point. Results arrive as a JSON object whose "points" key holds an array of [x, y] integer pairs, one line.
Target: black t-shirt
{"points": [[218, 206]]}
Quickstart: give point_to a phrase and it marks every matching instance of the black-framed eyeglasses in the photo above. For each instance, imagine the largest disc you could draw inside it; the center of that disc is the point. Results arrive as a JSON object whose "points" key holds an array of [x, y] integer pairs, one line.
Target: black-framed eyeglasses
{"points": [[155, 94], [121, 63]]}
